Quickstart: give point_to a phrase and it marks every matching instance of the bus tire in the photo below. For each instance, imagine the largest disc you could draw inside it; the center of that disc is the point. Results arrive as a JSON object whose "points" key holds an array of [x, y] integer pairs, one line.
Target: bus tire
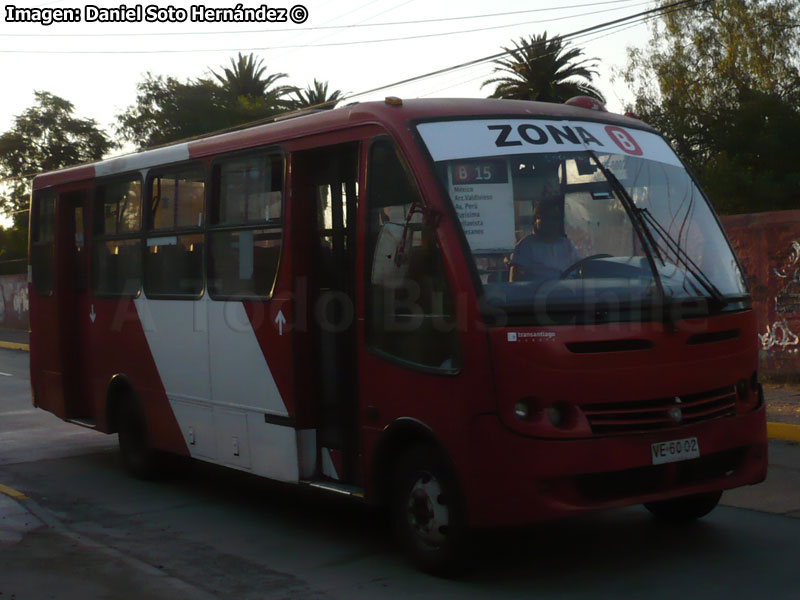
{"points": [[684, 509], [428, 511], [139, 459]]}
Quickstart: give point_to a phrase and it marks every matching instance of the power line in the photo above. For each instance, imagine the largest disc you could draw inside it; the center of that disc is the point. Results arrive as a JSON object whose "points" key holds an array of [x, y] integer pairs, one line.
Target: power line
{"points": [[680, 4], [609, 31], [607, 26], [315, 45], [314, 28], [334, 33]]}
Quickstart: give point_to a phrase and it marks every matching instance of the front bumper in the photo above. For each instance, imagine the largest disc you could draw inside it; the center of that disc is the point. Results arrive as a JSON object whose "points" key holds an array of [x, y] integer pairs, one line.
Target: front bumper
{"points": [[517, 480]]}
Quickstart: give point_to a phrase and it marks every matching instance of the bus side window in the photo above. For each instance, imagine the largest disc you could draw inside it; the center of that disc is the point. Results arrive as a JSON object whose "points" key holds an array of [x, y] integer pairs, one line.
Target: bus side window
{"points": [[245, 225], [410, 314], [173, 266], [43, 243], [117, 245]]}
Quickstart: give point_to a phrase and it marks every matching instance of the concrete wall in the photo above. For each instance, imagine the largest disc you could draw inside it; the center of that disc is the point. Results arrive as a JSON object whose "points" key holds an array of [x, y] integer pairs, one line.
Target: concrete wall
{"points": [[768, 245], [14, 301]]}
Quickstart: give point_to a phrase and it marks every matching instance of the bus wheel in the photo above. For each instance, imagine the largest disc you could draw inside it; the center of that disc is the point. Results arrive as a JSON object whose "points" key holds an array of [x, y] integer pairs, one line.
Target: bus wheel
{"points": [[139, 459], [687, 508], [428, 513]]}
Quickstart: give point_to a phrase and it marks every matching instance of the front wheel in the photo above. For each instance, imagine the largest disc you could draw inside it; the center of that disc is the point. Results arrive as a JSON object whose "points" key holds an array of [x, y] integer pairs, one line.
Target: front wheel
{"points": [[428, 512], [685, 509]]}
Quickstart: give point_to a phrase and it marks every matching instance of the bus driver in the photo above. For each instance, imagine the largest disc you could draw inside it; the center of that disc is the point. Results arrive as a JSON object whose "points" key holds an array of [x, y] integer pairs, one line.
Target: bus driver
{"points": [[546, 252]]}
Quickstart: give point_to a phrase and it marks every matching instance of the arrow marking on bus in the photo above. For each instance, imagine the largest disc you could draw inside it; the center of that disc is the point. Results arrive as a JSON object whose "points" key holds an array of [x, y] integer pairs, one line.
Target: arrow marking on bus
{"points": [[281, 321], [92, 315]]}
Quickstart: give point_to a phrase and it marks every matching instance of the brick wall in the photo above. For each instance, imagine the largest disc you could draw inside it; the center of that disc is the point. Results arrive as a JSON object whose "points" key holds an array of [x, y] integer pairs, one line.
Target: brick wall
{"points": [[768, 245]]}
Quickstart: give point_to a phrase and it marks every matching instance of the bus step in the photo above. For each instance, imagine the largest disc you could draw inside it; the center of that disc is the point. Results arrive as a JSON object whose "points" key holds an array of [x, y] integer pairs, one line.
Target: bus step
{"points": [[87, 422], [339, 488]]}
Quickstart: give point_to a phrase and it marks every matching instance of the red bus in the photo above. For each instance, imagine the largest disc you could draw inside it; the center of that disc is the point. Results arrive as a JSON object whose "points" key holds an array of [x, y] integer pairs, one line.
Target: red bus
{"points": [[476, 312]]}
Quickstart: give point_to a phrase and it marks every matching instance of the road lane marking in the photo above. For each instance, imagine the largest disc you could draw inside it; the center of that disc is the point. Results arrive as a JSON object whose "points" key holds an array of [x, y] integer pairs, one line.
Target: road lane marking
{"points": [[11, 492], [6, 374], [783, 431]]}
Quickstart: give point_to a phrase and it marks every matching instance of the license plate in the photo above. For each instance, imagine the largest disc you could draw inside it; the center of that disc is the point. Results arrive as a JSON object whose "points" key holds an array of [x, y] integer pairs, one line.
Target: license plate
{"points": [[674, 450]]}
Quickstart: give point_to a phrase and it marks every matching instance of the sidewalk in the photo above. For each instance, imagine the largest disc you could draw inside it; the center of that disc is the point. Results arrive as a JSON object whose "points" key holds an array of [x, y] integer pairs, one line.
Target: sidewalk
{"points": [[783, 411]]}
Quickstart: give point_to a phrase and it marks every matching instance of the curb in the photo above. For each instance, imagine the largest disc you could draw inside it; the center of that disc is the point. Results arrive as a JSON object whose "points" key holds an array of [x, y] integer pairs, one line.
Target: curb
{"points": [[15, 346], [12, 493], [783, 431]]}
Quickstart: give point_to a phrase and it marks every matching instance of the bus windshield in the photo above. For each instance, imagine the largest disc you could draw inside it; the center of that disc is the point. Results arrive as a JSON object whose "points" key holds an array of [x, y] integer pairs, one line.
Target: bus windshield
{"points": [[554, 226]]}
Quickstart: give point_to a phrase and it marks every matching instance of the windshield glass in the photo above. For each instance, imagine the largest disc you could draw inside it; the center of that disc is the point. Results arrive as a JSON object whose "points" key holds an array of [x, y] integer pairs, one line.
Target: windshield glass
{"points": [[688, 242], [548, 228]]}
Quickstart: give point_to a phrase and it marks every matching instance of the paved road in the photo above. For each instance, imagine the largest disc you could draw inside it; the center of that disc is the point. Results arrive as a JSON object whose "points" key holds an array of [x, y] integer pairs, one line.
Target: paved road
{"points": [[89, 531]]}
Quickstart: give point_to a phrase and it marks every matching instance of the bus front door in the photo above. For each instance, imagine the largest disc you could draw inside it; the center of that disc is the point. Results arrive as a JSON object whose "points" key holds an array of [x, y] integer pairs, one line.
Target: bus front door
{"points": [[329, 179]]}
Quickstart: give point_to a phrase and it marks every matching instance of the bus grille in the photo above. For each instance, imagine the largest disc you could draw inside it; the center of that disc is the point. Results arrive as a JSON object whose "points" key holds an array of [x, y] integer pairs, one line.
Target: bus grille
{"points": [[648, 415]]}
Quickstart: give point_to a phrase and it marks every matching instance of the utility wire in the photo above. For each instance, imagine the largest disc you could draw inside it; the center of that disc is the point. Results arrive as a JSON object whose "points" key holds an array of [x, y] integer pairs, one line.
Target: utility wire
{"points": [[609, 31], [658, 10], [313, 28], [607, 26]]}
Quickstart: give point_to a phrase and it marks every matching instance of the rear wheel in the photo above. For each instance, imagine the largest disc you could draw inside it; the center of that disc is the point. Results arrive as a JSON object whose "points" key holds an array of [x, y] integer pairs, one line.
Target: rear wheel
{"points": [[687, 508], [138, 457], [428, 512]]}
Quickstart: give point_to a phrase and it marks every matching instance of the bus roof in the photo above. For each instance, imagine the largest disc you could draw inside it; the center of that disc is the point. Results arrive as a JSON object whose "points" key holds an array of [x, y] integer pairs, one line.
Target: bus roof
{"points": [[394, 117]]}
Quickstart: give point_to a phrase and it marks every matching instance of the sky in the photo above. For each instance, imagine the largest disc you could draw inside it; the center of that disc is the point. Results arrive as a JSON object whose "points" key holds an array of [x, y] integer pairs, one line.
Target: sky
{"points": [[96, 65], [355, 45]]}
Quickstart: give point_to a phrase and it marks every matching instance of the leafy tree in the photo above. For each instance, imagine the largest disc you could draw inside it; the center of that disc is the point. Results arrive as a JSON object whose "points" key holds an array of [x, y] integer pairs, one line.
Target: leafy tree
{"points": [[167, 110], [246, 78], [317, 96], [544, 69], [721, 80], [44, 137], [14, 247]]}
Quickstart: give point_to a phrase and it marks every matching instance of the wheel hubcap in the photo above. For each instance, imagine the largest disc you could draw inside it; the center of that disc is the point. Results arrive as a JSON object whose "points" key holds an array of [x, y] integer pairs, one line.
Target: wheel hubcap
{"points": [[428, 514]]}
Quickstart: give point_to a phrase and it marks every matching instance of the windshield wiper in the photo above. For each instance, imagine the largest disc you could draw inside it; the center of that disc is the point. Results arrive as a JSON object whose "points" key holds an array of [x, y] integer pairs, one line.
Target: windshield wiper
{"points": [[646, 224], [683, 257]]}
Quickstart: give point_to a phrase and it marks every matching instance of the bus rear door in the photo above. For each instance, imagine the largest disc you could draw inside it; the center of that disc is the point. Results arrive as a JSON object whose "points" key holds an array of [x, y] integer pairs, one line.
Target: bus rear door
{"points": [[62, 310]]}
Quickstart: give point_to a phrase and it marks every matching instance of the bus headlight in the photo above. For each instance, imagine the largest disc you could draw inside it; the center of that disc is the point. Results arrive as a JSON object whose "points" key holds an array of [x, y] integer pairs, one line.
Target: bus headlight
{"points": [[561, 415]]}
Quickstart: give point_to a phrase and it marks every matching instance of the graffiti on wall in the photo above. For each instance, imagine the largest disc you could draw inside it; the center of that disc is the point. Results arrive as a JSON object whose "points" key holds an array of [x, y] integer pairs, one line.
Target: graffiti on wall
{"points": [[778, 334], [787, 302], [14, 301]]}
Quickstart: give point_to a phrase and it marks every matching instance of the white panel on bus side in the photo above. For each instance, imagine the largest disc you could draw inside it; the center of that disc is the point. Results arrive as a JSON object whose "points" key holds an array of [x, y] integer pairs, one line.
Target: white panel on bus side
{"points": [[239, 439], [240, 374], [220, 387], [233, 444], [274, 449], [177, 334], [196, 420]]}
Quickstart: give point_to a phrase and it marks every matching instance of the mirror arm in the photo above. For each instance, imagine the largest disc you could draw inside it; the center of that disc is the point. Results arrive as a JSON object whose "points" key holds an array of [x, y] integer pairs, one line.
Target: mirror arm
{"points": [[430, 218]]}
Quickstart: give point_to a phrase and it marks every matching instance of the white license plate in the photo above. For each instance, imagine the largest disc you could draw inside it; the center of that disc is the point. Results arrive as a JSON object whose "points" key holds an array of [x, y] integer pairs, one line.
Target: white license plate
{"points": [[674, 450]]}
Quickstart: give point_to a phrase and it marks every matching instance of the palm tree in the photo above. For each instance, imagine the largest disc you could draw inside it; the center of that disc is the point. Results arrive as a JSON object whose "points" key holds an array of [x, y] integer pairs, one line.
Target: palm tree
{"points": [[544, 70], [245, 78], [317, 96]]}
